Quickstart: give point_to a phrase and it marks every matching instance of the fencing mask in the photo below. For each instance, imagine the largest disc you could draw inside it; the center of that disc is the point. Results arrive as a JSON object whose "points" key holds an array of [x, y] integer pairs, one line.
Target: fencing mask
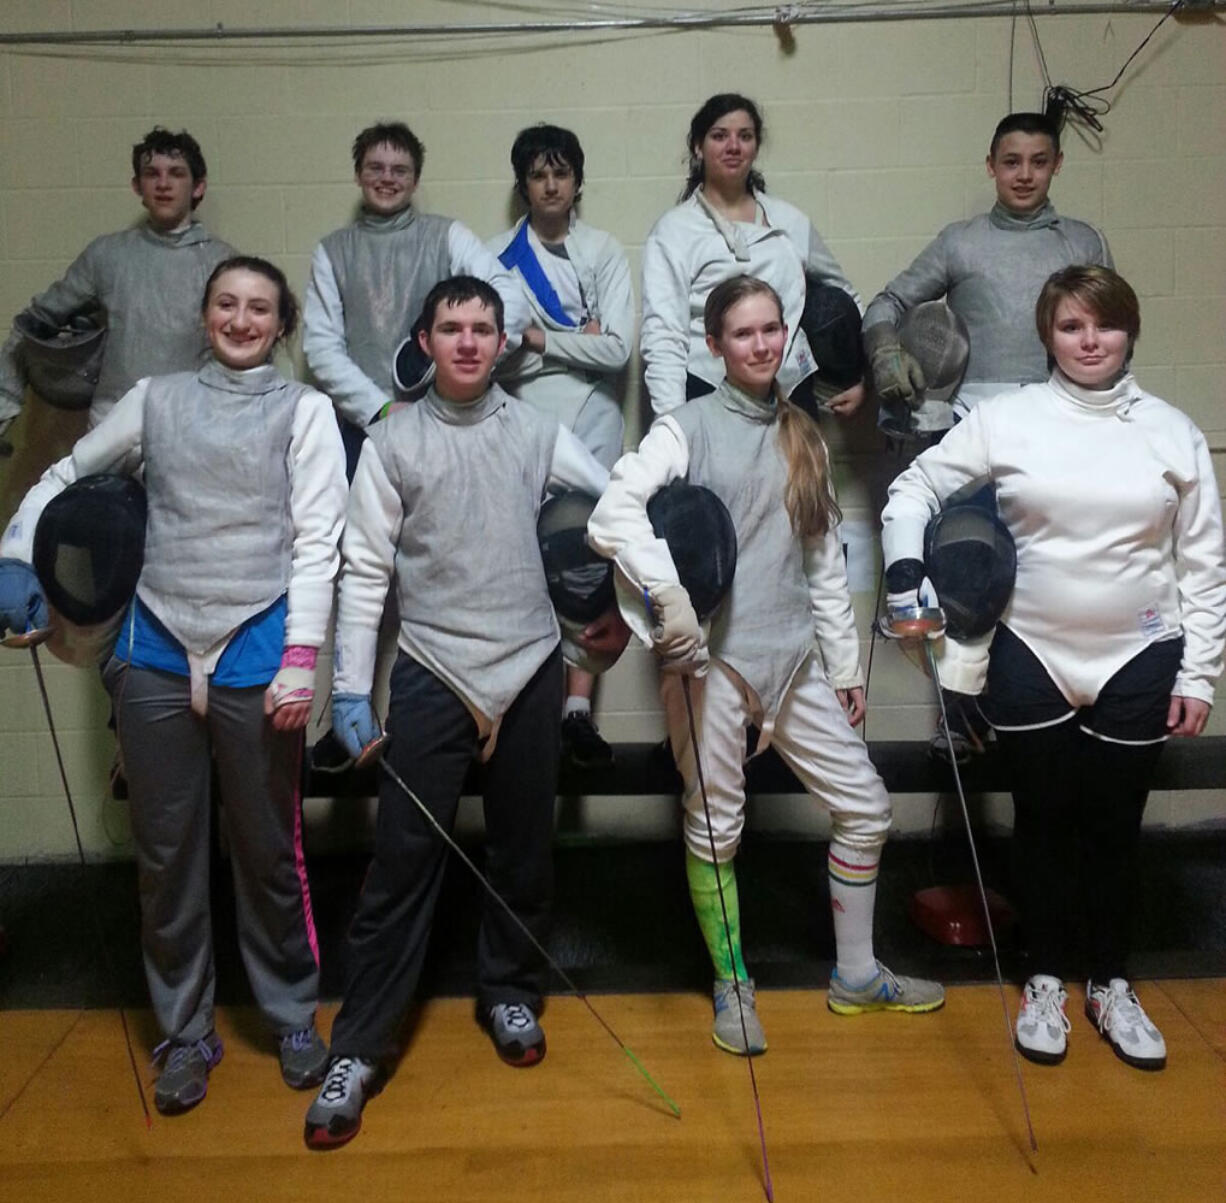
{"points": [[701, 539], [938, 340], [580, 582], [831, 322], [62, 363], [89, 548], [972, 563]]}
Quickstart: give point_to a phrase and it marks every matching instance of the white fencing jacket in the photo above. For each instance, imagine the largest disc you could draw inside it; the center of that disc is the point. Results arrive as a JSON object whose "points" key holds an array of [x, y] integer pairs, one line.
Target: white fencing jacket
{"points": [[1112, 502], [689, 251]]}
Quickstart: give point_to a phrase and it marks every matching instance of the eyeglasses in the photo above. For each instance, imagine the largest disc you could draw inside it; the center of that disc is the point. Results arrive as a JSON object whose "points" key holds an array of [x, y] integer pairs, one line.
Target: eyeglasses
{"points": [[376, 171]]}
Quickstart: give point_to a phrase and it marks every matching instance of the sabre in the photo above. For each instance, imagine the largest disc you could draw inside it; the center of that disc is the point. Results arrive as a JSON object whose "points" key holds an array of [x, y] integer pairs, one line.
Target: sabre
{"points": [[374, 748], [921, 622], [706, 810], [31, 640]]}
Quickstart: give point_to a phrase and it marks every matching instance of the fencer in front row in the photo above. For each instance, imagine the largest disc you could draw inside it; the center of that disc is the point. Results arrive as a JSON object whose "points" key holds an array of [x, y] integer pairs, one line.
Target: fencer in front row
{"points": [[1111, 643], [782, 652], [444, 509], [245, 477]]}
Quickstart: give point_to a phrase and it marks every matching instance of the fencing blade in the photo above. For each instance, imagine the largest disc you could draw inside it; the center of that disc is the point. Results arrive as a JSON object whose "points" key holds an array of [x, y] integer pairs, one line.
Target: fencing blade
{"points": [[767, 1184], [455, 848], [983, 895]]}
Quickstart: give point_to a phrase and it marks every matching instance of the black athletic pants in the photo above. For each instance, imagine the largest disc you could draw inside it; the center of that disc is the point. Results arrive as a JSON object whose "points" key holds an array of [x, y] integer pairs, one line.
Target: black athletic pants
{"points": [[1079, 793], [434, 739]]}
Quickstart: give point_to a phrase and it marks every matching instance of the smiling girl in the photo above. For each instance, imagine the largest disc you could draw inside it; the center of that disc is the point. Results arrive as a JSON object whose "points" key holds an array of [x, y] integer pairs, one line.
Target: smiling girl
{"points": [[1111, 643], [244, 473], [727, 225], [781, 654]]}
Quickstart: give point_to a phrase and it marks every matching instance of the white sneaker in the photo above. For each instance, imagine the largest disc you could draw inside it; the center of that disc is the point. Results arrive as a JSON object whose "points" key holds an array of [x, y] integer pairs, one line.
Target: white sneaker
{"points": [[1041, 1033], [1114, 1010]]}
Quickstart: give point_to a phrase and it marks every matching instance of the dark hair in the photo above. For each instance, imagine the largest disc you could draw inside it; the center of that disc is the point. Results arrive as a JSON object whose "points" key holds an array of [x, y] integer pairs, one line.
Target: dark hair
{"points": [[392, 133], [716, 107], [1025, 123], [455, 290], [287, 303], [808, 495], [557, 146], [159, 141], [1103, 292], [732, 292]]}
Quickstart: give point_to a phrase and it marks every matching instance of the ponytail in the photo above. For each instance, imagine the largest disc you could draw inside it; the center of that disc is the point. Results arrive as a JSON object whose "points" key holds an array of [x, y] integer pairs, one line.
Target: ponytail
{"points": [[809, 494]]}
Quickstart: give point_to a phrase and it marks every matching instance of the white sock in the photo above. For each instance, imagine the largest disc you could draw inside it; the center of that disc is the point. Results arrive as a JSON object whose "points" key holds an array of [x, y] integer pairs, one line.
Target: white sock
{"points": [[576, 705], [853, 892]]}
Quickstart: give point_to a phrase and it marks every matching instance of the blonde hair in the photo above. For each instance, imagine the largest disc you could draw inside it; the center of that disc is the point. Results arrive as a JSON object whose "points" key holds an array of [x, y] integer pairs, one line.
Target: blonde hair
{"points": [[809, 494]]}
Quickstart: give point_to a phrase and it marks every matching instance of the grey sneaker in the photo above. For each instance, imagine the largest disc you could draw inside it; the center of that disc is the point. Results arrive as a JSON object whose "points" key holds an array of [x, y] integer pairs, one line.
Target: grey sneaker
{"points": [[518, 1038], [884, 992], [184, 1079], [727, 1032], [304, 1058], [335, 1117]]}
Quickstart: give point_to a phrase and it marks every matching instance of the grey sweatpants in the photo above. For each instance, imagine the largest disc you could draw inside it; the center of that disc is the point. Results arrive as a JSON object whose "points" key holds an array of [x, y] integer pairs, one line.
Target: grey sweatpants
{"points": [[166, 751]]}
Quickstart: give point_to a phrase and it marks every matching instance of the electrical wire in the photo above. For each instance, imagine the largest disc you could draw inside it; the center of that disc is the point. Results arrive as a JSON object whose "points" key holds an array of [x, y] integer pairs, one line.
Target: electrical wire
{"points": [[1085, 108]]}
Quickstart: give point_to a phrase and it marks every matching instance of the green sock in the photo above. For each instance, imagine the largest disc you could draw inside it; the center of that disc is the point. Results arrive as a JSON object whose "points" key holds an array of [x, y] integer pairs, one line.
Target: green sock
{"points": [[705, 881]]}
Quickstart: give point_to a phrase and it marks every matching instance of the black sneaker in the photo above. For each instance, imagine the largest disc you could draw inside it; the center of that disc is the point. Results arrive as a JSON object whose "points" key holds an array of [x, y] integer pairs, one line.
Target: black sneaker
{"points": [[582, 743], [518, 1038]]}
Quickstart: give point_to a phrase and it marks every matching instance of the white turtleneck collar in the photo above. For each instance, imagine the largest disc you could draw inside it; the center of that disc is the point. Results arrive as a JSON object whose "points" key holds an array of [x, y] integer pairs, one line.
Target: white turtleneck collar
{"points": [[1116, 399]]}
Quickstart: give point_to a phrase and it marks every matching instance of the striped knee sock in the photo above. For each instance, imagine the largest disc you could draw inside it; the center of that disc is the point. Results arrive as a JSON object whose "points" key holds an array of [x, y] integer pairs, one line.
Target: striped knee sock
{"points": [[853, 891]]}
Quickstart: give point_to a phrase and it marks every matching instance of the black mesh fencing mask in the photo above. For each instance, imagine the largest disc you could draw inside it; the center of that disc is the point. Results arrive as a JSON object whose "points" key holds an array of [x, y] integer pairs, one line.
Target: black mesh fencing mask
{"points": [[89, 547], [580, 581], [698, 529], [62, 363], [972, 564]]}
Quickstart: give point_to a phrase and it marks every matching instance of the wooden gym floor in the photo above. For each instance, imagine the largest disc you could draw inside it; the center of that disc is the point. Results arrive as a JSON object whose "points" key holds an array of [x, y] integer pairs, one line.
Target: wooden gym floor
{"points": [[905, 1108]]}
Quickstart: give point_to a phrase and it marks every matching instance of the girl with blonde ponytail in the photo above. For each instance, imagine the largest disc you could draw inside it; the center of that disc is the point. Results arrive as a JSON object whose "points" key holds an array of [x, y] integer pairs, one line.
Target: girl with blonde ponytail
{"points": [[782, 653]]}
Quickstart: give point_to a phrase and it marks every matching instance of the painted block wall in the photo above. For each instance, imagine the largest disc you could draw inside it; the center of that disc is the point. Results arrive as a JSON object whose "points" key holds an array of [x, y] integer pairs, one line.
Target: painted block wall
{"points": [[877, 130]]}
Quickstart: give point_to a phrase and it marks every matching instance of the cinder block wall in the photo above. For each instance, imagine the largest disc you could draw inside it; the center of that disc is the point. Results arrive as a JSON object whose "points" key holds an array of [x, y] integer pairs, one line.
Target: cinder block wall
{"points": [[877, 130]]}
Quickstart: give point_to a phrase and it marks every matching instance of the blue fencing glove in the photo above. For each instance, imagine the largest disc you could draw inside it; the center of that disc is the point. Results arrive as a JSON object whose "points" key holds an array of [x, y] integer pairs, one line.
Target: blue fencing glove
{"points": [[22, 604], [354, 722]]}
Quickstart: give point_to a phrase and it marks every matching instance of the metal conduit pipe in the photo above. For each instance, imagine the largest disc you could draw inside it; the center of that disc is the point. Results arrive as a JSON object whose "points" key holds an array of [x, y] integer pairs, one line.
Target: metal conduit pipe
{"points": [[784, 16]]}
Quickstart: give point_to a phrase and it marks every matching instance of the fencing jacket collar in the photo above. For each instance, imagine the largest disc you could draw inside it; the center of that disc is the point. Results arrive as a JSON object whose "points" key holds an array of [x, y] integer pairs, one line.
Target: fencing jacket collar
{"points": [[732, 232], [1118, 399], [1006, 219], [747, 405], [464, 413], [387, 223], [189, 235], [249, 382]]}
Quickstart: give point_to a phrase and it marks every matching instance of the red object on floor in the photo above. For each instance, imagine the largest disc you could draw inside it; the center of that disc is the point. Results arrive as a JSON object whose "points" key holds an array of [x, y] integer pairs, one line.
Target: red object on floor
{"points": [[954, 915]]}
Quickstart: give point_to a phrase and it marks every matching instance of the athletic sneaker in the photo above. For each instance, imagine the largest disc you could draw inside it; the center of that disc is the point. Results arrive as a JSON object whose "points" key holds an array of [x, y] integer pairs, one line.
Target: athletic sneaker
{"points": [[304, 1058], [184, 1079], [518, 1038], [727, 1032], [1114, 1010], [582, 743], [335, 1117], [1041, 1031], [884, 991]]}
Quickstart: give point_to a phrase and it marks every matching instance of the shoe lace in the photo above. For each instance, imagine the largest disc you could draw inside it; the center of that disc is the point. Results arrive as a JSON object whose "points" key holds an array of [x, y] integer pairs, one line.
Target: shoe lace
{"points": [[337, 1083], [1119, 1007], [299, 1041], [1047, 1006], [177, 1053], [517, 1016]]}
